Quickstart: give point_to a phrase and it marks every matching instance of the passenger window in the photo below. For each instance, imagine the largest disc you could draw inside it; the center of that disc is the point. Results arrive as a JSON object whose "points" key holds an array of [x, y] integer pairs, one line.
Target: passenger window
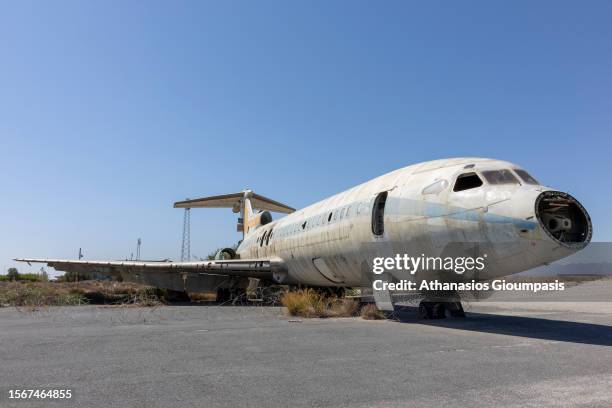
{"points": [[268, 237], [467, 181], [500, 177], [526, 177], [378, 214]]}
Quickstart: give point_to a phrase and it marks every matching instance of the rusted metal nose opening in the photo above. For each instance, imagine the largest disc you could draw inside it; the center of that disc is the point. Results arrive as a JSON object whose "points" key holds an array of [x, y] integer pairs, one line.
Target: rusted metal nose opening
{"points": [[564, 219]]}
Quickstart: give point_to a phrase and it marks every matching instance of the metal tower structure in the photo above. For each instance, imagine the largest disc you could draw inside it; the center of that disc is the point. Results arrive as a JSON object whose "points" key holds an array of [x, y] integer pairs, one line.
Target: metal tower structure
{"points": [[138, 249], [186, 247]]}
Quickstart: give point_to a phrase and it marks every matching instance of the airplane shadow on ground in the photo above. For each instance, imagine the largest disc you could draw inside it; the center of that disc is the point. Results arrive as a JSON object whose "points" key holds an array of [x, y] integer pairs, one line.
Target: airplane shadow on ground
{"points": [[522, 326]]}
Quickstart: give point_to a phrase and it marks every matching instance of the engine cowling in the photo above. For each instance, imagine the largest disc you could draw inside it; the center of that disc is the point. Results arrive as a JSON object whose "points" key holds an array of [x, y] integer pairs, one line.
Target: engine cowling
{"points": [[254, 221], [225, 254]]}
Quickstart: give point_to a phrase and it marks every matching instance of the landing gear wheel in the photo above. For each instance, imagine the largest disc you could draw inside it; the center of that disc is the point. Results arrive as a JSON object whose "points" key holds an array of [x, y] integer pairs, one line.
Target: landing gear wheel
{"points": [[456, 309], [432, 310], [425, 310], [439, 310]]}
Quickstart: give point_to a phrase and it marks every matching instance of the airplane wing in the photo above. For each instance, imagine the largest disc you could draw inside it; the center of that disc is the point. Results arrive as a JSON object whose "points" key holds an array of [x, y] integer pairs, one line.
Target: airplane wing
{"points": [[272, 269]]}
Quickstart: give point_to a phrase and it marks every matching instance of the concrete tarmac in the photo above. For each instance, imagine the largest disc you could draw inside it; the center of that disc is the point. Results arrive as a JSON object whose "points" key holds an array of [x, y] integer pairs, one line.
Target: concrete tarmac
{"points": [[502, 354]]}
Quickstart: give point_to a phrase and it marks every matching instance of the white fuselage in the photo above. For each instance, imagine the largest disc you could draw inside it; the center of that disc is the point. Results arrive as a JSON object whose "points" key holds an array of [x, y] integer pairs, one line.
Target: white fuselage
{"points": [[333, 242]]}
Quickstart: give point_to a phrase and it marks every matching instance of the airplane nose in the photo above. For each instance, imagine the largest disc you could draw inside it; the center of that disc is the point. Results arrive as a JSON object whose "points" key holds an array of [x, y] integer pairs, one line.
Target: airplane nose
{"points": [[564, 219]]}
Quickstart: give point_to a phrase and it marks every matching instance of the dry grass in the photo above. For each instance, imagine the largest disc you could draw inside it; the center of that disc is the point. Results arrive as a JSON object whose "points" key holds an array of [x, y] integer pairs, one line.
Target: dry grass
{"points": [[371, 312], [123, 293], [202, 296], [302, 302], [37, 294], [344, 308], [312, 303]]}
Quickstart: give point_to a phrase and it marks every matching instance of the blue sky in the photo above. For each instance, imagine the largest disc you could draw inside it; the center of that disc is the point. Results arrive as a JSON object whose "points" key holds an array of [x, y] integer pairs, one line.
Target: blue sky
{"points": [[111, 111]]}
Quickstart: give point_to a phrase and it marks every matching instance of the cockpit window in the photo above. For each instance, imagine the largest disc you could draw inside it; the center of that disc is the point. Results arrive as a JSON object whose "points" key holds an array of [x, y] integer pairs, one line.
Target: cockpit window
{"points": [[435, 188], [500, 177], [526, 177], [467, 181]]}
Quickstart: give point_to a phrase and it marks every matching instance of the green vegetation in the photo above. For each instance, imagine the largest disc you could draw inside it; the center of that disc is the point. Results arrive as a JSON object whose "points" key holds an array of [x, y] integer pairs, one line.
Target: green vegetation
{"points": [[37, 294], [73, 277], [13, 275], [352, 292]]}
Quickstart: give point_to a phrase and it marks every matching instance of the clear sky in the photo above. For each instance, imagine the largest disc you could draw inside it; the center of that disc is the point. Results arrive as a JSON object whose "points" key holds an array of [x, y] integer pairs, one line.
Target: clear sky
{"points": [[111, 111]]}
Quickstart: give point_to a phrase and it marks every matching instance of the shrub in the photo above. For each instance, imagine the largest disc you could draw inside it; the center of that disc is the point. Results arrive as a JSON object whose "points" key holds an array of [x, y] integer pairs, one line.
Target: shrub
{"points": [[312, 303], [71, 299], [344, 308], [29, 277], [37, 294], [30, 294], [13, 274], [297, 302], [371, 312]]}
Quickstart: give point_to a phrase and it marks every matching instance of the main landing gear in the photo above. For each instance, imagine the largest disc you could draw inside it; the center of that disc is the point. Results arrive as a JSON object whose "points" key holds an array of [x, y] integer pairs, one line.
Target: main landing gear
{"points": [[434, 306], [233, 296], [437, 310]]}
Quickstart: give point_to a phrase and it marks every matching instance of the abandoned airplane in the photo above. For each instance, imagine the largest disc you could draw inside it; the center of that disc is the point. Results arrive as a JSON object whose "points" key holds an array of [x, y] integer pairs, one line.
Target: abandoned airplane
{"points": [[450, 207]]}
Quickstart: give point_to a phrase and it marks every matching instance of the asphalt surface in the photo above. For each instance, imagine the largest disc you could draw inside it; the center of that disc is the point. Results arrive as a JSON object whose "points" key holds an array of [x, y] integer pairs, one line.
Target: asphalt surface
{"points": [[502, 354]]}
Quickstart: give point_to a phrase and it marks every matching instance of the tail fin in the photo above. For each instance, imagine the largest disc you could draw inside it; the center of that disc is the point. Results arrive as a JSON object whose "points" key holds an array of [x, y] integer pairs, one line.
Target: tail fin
{"points": [[244, 203]]}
